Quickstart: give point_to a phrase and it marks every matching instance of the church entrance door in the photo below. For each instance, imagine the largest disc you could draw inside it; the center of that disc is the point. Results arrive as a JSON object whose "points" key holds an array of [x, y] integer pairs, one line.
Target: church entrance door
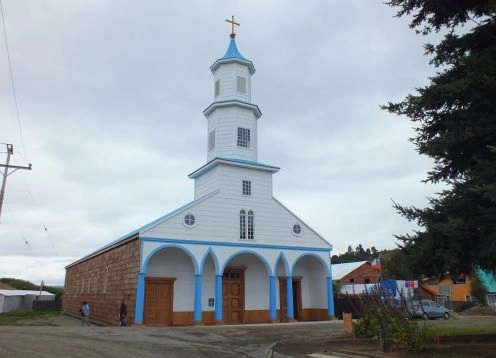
{"points": [[283, 299], [233, 295], [159, 296]]}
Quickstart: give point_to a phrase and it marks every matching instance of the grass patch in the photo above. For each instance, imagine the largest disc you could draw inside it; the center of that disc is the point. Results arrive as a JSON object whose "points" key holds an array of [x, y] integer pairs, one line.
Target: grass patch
{"points": [[13, 318], [459, 331]]}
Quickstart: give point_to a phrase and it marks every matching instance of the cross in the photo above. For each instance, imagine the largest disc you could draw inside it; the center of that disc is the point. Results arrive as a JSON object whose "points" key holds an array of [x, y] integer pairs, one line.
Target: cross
{"points": [[232, 24]]}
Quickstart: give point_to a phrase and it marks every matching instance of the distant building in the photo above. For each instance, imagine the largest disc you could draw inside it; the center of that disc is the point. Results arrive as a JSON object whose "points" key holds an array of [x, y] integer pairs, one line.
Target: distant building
{"points": [[235, 254], [11, 300], [355, 272]]}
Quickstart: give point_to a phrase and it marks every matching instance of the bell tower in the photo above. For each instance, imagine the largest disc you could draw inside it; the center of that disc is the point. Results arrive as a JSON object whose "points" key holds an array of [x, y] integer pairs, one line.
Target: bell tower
{"points": [[232, 118]]}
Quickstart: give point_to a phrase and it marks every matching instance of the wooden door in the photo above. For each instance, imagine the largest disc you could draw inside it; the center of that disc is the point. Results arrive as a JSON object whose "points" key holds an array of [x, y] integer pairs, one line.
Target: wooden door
{"points": [[233, 296], [283, 299], [159, 296]]}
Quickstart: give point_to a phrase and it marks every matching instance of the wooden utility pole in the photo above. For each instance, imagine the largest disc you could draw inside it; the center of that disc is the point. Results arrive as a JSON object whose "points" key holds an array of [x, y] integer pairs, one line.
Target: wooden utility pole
{"points": [[7, 166]]}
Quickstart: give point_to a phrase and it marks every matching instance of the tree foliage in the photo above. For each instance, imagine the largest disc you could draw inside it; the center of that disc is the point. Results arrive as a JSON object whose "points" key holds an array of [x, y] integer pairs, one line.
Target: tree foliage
{"points": [[359, 254], [455, 125]]}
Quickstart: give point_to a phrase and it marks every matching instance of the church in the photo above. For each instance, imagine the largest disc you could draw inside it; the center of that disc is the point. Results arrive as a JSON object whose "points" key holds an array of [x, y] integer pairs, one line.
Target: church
{"points": [[233, 255]]}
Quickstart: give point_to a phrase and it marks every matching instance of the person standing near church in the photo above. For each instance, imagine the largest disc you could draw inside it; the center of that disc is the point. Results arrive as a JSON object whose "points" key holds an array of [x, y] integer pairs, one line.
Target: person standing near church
{"points": [[85, 313], [122, 314]]}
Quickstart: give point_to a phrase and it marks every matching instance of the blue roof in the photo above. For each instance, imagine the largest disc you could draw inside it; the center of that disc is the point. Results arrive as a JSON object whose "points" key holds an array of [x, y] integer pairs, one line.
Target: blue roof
{"points": [[233, 55], [232, 51], [233, 161]]}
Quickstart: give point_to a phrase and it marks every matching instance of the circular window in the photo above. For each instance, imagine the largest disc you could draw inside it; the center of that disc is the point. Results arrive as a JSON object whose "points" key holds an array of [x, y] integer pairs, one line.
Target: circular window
{"points": [[296, 229], [189, 220]]}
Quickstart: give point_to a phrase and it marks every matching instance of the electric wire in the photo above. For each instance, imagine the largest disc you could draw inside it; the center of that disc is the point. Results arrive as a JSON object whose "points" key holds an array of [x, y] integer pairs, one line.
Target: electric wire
{"points": [[12, 78], [17, 225]]}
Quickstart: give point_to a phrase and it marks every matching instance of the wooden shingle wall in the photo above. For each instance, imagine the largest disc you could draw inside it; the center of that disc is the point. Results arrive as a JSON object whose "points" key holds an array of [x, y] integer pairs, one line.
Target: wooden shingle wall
{"points": [[103, 281]]}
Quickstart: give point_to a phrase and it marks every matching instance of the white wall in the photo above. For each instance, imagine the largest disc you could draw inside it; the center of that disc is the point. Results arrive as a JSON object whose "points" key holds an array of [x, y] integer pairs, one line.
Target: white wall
{"points": [[313, 284], [173, 262]]}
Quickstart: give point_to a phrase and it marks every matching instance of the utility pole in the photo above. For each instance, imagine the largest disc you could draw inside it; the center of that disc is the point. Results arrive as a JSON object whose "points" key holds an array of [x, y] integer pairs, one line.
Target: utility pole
{"points": [[7, 166]]}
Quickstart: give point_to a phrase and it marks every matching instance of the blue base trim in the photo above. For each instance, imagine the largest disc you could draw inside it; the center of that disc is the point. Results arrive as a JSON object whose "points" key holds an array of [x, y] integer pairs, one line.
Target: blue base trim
{"points": [[272, 299], [289, 294], [330, 298], [218, 298], [140, 299], [198, 296]]}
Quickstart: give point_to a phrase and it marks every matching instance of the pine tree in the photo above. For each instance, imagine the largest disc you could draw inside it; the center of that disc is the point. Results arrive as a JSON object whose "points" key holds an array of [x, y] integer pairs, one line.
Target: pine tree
{"points": [[455, 125]]}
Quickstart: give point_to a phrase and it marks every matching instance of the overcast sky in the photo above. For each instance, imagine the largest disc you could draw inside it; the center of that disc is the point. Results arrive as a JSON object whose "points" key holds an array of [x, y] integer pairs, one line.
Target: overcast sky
{"points": [[111, 94]]}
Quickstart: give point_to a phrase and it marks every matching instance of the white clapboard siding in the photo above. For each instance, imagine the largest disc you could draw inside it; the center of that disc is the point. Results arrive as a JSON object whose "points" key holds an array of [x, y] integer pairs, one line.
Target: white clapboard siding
{"points": [[226, 121], [227, 74], [229, 179], [217, 219]]}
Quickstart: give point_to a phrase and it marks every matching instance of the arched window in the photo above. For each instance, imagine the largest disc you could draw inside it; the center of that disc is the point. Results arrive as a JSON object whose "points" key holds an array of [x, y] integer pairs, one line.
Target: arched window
{"points": [[242, 224], [250, 225]]}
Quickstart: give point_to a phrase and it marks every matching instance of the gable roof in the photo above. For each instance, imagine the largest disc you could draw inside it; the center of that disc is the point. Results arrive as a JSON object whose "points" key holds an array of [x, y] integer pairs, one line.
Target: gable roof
{"points": [[133, 234], [341, 270]]}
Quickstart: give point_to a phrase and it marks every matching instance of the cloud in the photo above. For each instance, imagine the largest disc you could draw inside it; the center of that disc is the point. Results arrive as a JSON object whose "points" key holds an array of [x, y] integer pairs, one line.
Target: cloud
{"points": [[111, 97]]}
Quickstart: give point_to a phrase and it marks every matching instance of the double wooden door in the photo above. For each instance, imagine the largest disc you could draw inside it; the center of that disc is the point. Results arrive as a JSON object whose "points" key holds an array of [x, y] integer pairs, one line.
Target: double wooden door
{"points": [[283, 299], [159, 297], [233, 296]]}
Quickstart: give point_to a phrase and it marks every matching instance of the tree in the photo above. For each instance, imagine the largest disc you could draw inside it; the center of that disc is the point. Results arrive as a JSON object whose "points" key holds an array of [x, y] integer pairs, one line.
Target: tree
{"points": [[455, 125]]}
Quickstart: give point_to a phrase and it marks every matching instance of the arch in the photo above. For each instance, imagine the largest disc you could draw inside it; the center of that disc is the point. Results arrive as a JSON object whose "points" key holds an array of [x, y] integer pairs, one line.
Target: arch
{"points": [[282, 257], [322, 261], [263, 259], [189, 253], [214, 257]]}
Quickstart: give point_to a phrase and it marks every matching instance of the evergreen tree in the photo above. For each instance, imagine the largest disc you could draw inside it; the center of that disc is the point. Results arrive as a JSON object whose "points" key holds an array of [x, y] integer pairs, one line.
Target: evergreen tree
{"points": [[455, 125]]}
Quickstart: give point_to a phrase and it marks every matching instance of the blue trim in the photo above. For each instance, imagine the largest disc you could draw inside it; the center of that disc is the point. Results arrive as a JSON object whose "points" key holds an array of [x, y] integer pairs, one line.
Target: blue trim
{"points": [[231, 161], [272, 298], [198, 298], [140, 299], [285, 263], [235, 244], [289, 294], [218, 298], [326, 265], [233, 102], [214, 257], [264, 261], [330, 297], [167, 245]]}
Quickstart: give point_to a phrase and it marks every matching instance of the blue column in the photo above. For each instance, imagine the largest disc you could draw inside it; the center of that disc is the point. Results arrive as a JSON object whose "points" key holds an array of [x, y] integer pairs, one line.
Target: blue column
{"points": [[289, 294], [140, 299], [272, 301], [218, 298], [198, 299], [330, 298]]}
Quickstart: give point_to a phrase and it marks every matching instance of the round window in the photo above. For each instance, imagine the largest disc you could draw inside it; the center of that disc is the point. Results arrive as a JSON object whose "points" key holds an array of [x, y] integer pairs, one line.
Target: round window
{"points": [[296, 229], [189, 220]]}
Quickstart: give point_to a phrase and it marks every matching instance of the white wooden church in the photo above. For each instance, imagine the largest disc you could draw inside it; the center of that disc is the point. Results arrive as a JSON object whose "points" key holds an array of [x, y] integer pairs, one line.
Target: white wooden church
{"points": [[235, 254]]}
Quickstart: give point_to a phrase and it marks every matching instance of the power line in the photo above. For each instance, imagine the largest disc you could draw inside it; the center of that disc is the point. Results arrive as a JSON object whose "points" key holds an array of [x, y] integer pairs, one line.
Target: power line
{"points": [[12, 78], [18, 227]]}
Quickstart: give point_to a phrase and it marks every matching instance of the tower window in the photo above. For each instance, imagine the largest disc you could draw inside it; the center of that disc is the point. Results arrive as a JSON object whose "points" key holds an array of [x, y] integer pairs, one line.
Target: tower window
{"points": [[243, 137], [211, 140], [241, 85], [246, 187], [217, 88]]}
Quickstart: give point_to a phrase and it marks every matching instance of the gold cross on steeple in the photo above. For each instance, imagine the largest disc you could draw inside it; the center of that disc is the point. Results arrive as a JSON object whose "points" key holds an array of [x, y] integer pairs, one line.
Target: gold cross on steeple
{"points": [[233, 34]]}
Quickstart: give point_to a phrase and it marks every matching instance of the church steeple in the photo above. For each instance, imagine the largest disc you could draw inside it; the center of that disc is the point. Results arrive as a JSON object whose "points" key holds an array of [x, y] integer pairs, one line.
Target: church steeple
{"points": [[232, 118]]}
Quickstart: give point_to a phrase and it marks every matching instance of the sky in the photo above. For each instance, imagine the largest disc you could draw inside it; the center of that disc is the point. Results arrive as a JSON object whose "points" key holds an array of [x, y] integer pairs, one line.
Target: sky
{"points": [[110, 97]]}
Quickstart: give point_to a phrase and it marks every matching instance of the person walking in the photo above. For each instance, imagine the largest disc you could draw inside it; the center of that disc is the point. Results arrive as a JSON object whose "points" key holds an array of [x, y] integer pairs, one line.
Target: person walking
{"points": [[122, 314], [85, 313]]}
